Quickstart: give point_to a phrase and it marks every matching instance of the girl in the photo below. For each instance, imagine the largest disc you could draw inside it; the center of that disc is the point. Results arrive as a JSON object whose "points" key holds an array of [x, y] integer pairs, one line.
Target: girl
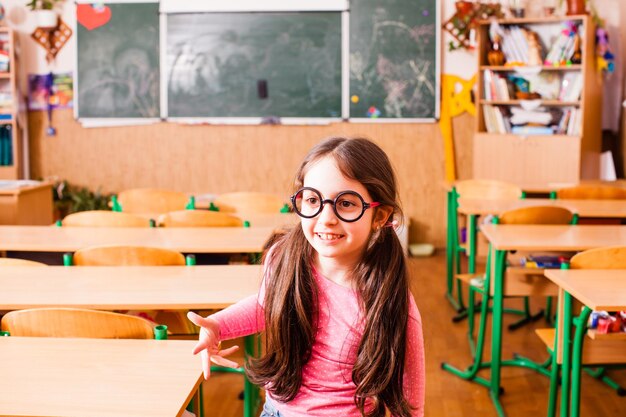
{"points": [[343, 333]]}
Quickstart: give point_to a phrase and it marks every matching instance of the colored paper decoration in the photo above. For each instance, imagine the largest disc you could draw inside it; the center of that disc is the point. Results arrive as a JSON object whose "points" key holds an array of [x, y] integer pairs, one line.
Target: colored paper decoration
{"points": [[92, 17], [52, 40]]}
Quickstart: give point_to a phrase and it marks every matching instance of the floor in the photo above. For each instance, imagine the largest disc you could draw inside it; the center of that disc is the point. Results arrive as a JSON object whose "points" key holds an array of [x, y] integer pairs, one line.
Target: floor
{"points": [[526, 392]]}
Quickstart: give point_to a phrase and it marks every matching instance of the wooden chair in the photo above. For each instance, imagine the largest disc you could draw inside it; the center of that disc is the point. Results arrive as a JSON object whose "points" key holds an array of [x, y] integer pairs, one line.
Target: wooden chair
{"points": [[151, 200], [118, 255], [249, 202], [19, 262], [477, 189], [104, 218], [75, 322], [592, 192], [199, 218], [595, 352]]}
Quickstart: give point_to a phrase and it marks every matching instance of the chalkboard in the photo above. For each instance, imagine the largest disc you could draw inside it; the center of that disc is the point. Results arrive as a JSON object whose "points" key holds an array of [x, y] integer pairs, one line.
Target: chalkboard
{"points": [[254, 64], [393, 59], [117, 72]]}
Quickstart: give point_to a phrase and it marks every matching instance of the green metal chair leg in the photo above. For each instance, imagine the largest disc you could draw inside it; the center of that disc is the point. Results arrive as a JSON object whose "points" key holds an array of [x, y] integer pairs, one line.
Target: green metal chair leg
{"points": [[600, 374], [471, 373], [528, 317]]}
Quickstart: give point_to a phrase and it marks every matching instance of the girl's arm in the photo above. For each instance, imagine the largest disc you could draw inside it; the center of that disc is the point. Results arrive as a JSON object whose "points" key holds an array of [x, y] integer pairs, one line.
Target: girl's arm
{"points": [[241, 319], [414, 375]]}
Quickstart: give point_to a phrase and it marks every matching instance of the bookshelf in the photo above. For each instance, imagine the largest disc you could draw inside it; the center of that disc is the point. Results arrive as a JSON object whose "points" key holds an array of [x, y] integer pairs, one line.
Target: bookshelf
{"points": [[11, 128], [552, 131]]}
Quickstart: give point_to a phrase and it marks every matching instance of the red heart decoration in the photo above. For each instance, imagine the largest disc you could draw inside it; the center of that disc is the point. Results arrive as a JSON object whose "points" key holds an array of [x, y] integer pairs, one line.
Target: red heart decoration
{"points": [[92, 18]]}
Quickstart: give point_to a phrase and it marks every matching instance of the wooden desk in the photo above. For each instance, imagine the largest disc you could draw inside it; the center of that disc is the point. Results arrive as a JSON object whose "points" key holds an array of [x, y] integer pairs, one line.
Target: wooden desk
{"points": [[31, 204], [96, 377], [553, 238], [597, 290], [529, 238], [606, 209], [134, 287], [128, 287], [183, 239], [472, 208]]}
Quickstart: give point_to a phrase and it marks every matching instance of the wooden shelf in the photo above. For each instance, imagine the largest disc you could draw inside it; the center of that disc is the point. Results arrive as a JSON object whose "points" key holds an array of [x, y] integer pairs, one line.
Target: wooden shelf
{"points": [[534, 20], [9, 86], [538, 159], [522, 68], [608, 336], [555, 103]]}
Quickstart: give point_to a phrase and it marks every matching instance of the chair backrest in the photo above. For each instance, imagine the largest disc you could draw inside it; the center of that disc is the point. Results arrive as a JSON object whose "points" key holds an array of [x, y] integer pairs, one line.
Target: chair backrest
{"points": [[199, 218], [104, 218], [19, 262], [592, 192], [488, 189], [249, 202], [613, 257], [537, 215], [75, 322], [119, 255], [151, 200]]}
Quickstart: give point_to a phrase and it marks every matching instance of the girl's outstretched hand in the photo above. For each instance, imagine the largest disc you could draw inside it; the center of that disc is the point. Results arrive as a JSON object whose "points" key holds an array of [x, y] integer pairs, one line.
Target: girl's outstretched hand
{"points": [[209, 344]]}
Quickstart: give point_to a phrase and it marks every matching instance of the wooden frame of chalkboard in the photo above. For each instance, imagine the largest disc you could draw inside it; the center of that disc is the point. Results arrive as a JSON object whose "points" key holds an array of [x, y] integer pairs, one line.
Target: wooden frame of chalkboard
{"points": [[247, 63], [384, 68], [394, 61]]}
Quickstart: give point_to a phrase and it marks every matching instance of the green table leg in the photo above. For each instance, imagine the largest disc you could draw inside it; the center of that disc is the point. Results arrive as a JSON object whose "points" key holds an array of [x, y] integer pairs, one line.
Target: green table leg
{"points": [[496, 333], [451, 248], [577, 349], [567, 349], [250, 391], [471, 243]]}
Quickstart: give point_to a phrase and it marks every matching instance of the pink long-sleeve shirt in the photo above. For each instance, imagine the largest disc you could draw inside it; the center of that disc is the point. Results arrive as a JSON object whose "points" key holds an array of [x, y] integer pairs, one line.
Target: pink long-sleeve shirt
{"points": [[327, 387]]}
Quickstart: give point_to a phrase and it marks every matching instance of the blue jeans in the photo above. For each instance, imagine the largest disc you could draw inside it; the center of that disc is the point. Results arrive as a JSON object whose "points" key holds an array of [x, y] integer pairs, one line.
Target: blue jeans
{"points": [[269, 410]]}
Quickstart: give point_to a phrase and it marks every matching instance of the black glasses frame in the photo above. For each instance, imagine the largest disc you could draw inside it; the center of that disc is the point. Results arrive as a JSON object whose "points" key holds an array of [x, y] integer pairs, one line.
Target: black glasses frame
{"points": [[333, 202]]}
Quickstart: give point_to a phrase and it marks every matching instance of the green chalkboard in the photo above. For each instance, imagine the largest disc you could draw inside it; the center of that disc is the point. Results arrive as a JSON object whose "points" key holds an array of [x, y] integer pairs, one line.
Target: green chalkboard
{"points": [[393, 59], [118, 62], [254, 64]]}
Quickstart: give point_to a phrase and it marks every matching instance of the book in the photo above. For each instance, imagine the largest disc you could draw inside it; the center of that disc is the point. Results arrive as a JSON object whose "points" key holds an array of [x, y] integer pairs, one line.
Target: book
{"points": [[532, 130]]}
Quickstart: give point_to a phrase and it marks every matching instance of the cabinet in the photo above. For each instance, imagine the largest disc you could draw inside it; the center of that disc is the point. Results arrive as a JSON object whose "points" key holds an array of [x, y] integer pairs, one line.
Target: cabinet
{"points": [[11, 129], [513, 142]]}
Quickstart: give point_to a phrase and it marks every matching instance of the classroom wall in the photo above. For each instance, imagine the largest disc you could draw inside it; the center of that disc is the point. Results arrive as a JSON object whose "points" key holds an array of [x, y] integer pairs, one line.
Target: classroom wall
{"points": [[215, 159]]}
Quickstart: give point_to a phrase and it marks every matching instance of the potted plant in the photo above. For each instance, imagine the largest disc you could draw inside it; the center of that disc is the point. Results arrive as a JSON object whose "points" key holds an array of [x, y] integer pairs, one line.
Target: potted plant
{"points": [[46, 14]]}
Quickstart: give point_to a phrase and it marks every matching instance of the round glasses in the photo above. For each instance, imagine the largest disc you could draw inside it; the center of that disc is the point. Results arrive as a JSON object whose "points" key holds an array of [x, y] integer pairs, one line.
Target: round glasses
{"points": [[348, 206]]}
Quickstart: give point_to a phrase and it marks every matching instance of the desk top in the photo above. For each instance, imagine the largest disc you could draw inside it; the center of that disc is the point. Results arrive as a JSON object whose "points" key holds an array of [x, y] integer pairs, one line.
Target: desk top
{"points": [[15, 187], [544, 237], [584, 208], [183, 239], [44, 376], [129, 287], [598, 289], [554, 186]]}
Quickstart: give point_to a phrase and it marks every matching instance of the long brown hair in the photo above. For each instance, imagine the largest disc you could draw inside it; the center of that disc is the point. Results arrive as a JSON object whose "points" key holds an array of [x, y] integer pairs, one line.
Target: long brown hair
{"points": [[381, 281]]}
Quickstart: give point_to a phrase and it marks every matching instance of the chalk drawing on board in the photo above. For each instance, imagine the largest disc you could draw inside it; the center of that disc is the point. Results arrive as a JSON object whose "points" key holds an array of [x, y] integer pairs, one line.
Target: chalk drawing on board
{"points": [[217, 61], [393, 61], [118, 64]]}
